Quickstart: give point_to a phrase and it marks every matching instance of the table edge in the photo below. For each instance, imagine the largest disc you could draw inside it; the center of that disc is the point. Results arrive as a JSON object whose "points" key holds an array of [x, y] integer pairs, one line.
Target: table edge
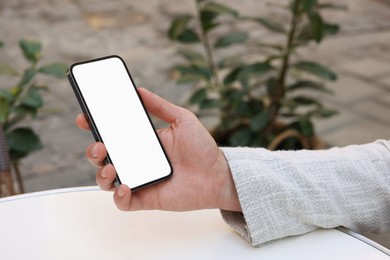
{"points": [[364, 239], [48, 193]]}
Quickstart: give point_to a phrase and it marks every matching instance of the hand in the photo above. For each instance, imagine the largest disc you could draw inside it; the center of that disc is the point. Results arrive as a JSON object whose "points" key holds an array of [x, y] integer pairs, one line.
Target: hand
{"points": [[201, 177]]}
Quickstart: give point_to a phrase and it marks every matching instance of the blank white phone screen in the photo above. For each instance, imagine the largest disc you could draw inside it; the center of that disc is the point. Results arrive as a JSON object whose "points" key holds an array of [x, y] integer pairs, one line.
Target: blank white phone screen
{"points": [[121, 121]]}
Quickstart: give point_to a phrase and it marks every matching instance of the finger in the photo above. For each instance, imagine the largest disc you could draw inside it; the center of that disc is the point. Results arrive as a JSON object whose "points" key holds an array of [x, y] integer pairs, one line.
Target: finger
{"points": [[161, 108], [96, 153], [81, 122], [105, 177], [122, 197]]}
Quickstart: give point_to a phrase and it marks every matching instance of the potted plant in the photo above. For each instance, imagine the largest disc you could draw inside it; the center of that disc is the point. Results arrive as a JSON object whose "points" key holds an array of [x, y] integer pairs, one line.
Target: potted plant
{"points": [[259, 100], [21, 100]]}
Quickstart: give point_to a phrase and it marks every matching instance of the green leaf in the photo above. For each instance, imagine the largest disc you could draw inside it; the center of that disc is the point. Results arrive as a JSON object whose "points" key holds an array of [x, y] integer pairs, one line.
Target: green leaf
{"points": [[241, 108], [198, 96], [31, 50], [270, 24], [307, 33], [277, 47], [229, 124], [16, 155], [220, 9], [209, 103], [317, 26], [21, 111], [259, 121], [7, 95], [306, 127], [15, 91], [233, 95], [193, 71], [322, 113], [227, 62], [210, 11], [241, 137], [316, 69], [4, 109], [208, 20], [32, 98], [178, 26], [188, 36], [309, 5], [187, 80], [6, 69], [55, 69], [332, 6], [1, 44], [304, 101], [245, 71], [274, 57], [192, 56], [306, 84], [28, 75], [288, 114], [330, 29], [179, 30], [259, 140], [231, 38], [23, 140], [232, 76], [255, 69]]}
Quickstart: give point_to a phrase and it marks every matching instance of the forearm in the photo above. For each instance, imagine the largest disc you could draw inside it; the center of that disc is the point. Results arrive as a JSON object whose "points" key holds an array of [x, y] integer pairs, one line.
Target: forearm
{"points": [[288, 193]]}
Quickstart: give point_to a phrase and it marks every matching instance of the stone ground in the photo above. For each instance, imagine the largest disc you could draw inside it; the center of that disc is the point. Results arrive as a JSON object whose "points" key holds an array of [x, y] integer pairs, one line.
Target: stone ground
{"points": [[72, 30]]}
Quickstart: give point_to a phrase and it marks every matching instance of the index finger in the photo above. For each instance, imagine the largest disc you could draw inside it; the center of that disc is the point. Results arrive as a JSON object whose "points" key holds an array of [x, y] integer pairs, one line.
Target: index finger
{"points": [[161, 108]]}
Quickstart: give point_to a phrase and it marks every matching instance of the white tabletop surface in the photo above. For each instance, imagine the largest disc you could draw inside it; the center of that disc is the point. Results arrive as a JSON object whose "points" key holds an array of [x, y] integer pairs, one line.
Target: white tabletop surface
{"points": [[83, 223]]}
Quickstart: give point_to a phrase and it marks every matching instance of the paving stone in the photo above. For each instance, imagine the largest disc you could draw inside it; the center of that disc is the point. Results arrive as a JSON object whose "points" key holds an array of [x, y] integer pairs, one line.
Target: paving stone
{"points": [[377, 109], [369, 68], [348, 89], [92, 28], [385, 99], [383, 238], [69, 177], [361, 132], [77, 30], [385, 81], [335, 123], [345, 48]]}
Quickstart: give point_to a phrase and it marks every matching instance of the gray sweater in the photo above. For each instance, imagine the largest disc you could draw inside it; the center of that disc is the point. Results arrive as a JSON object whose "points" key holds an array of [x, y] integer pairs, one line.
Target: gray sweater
{"points": [[287, 193]]}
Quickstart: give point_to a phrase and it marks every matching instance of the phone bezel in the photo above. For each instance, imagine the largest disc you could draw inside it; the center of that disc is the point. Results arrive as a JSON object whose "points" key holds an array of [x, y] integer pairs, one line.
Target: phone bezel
{"points": [[93, 127]]}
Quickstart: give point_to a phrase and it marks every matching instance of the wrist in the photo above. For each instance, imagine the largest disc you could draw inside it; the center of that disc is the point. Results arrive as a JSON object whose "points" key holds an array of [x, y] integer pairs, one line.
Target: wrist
{"points": [[228, 197]]}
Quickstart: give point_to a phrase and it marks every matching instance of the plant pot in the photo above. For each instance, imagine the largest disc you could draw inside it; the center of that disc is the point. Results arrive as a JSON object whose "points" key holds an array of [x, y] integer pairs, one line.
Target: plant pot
{"points": [[282, 138]]}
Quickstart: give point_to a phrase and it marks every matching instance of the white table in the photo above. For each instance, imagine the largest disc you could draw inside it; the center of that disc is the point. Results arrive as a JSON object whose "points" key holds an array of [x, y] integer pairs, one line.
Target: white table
{"points": [[83, 223]]}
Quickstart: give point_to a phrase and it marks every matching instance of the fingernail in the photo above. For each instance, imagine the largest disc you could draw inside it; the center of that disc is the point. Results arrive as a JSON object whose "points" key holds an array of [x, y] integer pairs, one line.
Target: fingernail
{"points": [[121, 192], [94, 151], [103, 173]]}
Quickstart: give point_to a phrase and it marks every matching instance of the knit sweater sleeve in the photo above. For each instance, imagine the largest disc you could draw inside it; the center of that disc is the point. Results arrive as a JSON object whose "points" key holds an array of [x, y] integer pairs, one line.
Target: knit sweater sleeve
{"points": [[287, 193]]}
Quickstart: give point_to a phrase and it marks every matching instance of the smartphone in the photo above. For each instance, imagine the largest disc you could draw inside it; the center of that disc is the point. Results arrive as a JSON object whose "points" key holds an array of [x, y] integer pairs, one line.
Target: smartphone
{"points": [[117, 117]]}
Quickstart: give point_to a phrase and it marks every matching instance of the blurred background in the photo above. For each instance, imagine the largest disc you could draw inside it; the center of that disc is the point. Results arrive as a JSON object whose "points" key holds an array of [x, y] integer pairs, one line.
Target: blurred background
{"points": [[140, 32]]}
